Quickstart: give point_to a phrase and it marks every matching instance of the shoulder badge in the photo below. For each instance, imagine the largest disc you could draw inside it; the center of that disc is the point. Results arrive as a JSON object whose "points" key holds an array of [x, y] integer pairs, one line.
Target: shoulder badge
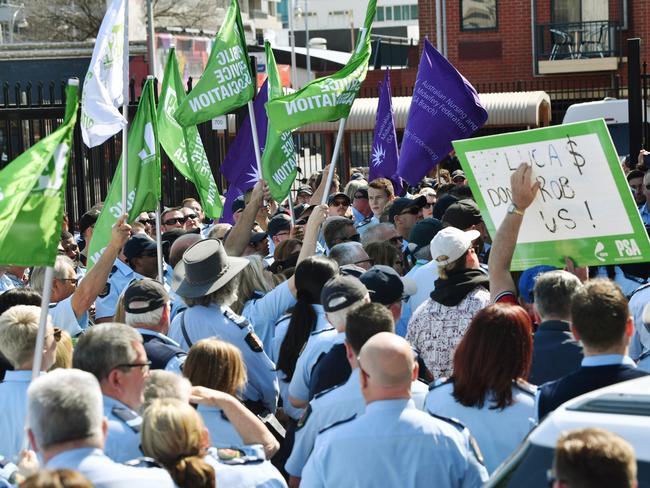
{"points": [[254, 342], [473, 445], [129, 417], [526, 387], [642, 287], [234, 456], [238, 320], [440, 382], [316, 332], [304, 417], [344, 421], [106, 290], [450, 420], [143, 462], [321, 393], [113, 270]]}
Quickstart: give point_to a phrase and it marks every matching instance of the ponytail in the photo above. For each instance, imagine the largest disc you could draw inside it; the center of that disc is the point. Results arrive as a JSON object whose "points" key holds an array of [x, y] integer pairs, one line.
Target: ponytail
{"points": [[191, 472]]}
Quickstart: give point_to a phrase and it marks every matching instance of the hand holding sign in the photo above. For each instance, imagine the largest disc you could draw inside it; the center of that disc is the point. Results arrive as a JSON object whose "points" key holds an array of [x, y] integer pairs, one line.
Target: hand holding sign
{"points": [[523, 188]]}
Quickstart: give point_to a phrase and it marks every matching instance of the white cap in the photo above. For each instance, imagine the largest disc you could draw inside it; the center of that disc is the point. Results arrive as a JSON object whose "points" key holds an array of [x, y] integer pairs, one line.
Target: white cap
{"points": [[450, 244]]}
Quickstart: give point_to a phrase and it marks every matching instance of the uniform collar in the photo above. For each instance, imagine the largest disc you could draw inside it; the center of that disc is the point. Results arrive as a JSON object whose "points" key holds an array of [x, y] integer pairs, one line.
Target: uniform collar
{"points": [[72, 457], [556, 325], [390, 405], [158, 335], [607, 360], [110, 402], [21, 376]]}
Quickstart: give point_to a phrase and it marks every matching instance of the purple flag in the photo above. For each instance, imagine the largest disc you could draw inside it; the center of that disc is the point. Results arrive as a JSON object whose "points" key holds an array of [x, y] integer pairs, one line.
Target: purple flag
{"points": [[239, 166], [383, 162], [444, 107]]}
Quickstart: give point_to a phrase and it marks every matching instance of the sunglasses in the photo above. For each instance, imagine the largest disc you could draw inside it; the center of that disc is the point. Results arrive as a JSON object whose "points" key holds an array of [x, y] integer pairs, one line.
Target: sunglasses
{"points": [[191, 216], [71, 280], [370, 261], [429, 205], [396, 240], [412, 211], [301, 222], [147, 221], [177, 220], [352, 238], [339, 203]]}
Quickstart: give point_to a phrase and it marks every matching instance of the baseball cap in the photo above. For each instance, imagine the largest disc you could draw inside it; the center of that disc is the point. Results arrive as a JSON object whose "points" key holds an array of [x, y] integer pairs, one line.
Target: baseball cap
{"points": [[442, 205], [402, 203], [139, 245], [88, 220], [257, 237], [527, 281], [450, 244], [279, 223], [341, 292], [144, 295], [462, 214], [351, 270], [422, 233], [635, 173], [386, 286], [361, 193], [238, 204], [305, 189], [459, 173], [334, 196]]}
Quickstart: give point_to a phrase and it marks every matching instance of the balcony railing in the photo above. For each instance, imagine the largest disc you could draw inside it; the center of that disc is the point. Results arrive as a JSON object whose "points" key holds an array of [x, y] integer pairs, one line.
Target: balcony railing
{"points": [[570, 41]]}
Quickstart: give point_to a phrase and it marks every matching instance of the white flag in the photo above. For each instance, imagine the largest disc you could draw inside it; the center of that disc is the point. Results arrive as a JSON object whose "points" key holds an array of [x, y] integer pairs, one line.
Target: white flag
{"points": [[103, 86]]}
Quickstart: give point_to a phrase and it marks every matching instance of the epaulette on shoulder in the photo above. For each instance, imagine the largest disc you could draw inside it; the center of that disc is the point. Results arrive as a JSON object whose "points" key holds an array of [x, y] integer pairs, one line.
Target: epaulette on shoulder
{"points": [[440, 382], [143, 462], [644, 355], [286, 316], [642, 287], [340, 422], [237, 455], [238, 320], [526, 387], [450, 420], [316, 332], [324, 392]]}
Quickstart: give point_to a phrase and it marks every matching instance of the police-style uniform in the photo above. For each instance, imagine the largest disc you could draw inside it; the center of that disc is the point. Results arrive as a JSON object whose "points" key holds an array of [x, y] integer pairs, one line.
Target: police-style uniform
{"points": [[103, 472], [63, 316], [644, 361], [498, 432], [394, 444], [199, 322], [222, 432], [123, 436], [331, 406], [13, 408], [120, 277], [263, 310], [244, 467], [163, 352], [641, 340]]}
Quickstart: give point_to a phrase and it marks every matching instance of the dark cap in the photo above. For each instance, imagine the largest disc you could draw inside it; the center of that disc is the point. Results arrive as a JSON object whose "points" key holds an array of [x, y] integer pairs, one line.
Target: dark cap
{"points": [[279, 223], [144, 295], [459, 173], [385, 285], [351, 270], [300, 209], [462, 214], [635, 173], [402, 203], [334, 196], [139, 245], [361, 193], [423, 231], [305, 189], [257, 237], [442, 205], [88, 220], [341, 292], [238, 204]]}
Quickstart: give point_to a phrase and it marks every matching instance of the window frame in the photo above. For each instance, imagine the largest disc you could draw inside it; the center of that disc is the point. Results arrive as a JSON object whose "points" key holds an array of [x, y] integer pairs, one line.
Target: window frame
{"points": [[465, 28]]}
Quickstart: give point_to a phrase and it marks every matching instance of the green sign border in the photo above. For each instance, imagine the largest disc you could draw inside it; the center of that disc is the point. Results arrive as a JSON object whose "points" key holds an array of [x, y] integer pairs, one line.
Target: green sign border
{"points": [[582, 251]]}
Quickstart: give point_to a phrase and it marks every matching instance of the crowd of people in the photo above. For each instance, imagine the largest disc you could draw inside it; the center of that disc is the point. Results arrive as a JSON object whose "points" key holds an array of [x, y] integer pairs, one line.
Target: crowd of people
{"points": [[376, 340]]}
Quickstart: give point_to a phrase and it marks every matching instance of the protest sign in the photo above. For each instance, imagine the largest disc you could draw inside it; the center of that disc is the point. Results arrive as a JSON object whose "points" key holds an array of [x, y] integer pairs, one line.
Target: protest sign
{"points": [[584, 208]]}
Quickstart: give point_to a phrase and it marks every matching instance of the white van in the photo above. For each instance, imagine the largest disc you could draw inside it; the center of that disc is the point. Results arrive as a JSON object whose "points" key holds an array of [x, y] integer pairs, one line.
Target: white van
{"points": [[615, 113]]}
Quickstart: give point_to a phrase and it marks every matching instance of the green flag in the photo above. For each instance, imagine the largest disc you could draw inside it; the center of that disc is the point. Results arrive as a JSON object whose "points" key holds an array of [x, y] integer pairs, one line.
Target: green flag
{"points": [[279, 157], [32, 191], [329, 98], [227, 82], [183, 145], [143, 178]]}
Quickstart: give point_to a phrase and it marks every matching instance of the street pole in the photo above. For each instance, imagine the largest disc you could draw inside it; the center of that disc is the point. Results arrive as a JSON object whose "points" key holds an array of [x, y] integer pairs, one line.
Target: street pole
{"points": [[306, 13], [151, 39], [292, 41]]}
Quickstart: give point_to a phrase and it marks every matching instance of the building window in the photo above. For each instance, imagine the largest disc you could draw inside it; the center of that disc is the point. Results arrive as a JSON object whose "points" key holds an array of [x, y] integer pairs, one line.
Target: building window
{"points": [[397, 12], [380, 14], [414, 12], [406, 12], [389, 13], [478, 14]]}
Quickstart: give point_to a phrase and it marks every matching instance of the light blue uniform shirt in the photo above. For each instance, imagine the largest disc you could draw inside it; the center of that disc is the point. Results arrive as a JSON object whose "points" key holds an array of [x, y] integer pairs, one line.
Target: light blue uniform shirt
{"points": [[641, 339], [6, 283], [280, 333], [263, 311], [222, 432], [330, 406], [498, 432], [120, 277], [103, 472], [63, 316], [644, 362], [202, 322], [123, 436], [249, 470], [393, 444], [13, 411], [645, 215]]}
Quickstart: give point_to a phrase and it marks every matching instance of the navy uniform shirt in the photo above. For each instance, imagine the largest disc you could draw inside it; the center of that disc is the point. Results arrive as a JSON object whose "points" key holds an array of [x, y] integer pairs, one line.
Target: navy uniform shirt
{"points": [[202, 322], [163, 352], [123, 436], [244, 467], [394, 444], [103, 472], [120, 277], [555, 352]]}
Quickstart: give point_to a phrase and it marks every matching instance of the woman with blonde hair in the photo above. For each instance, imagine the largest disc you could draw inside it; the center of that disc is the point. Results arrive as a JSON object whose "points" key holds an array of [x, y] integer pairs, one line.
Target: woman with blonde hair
{"points": [[63, 349], [174, 435]]}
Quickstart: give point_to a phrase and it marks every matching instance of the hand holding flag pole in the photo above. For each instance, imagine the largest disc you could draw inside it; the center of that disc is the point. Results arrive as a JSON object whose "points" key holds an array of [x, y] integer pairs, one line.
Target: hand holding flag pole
{"points": [[335, 158]]}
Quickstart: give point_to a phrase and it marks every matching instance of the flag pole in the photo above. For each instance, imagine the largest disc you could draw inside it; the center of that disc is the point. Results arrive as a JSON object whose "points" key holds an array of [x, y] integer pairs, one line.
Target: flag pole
{"points": [[256, 143], [125, 108], [335, 157], [293, 217], [159, 245], [45, 307]]}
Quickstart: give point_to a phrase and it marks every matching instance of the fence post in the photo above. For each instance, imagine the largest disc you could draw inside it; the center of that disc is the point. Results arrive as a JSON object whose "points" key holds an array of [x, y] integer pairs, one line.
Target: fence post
{"points": [[634, 95]]}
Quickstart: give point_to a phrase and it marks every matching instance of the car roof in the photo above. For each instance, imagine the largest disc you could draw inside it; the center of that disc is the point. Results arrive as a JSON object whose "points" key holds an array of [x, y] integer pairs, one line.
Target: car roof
{"points": [[623, 408]]}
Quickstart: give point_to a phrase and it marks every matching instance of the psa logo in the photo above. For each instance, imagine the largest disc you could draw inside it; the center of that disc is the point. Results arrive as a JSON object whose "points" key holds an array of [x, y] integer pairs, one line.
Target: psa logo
{"points": [[624, 248], [600, 252]]}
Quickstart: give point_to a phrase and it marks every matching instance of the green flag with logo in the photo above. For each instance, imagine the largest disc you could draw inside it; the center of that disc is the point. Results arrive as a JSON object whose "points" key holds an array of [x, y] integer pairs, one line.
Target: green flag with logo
{"points": [[184, 145], [329, 98], [32, 195], [279, 157], [143, 177], [227, 82]]}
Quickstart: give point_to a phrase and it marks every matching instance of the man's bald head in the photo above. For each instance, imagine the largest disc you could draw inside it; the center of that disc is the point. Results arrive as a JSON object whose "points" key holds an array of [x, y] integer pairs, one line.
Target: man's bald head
{"points": [[180, 246], [388, 362]]}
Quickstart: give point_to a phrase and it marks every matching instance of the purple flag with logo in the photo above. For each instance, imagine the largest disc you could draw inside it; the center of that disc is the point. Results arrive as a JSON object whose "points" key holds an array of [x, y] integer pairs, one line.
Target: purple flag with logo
{"points": [[239, 166], [383, 162], [444, 107]]}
